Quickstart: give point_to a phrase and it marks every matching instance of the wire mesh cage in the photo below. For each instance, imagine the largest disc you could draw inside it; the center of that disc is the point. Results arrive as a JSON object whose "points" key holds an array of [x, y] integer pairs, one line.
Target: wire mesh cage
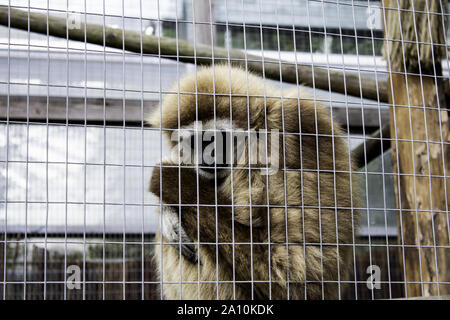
{"points": [[224, 149]]}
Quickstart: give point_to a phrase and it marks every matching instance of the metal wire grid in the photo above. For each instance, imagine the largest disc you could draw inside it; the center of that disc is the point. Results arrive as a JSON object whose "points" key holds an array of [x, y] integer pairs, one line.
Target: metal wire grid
{"points": [[124, 242]]}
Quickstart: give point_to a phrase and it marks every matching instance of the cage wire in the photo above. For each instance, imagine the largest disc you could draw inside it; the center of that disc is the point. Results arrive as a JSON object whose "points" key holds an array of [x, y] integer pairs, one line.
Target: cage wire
{"points": [[92, 91]]}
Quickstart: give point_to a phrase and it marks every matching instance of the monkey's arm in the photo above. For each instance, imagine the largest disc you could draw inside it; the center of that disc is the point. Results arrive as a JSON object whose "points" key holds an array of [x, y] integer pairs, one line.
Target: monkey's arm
{"points": [[182, 204], [174, 233]]}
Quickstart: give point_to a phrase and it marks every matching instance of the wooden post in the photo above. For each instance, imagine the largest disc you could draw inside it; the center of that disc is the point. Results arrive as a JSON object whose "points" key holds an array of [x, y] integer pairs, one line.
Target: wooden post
{"points": [[420, 130]]}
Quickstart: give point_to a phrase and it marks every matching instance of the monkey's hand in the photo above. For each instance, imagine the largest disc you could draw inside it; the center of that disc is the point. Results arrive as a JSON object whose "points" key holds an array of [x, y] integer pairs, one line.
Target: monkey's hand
{"points": [[177, 189], [173, 232]]}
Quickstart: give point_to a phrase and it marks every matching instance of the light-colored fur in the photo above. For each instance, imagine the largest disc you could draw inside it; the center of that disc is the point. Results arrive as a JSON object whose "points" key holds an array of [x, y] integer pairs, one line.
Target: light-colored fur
{"points": [[318, 253]]}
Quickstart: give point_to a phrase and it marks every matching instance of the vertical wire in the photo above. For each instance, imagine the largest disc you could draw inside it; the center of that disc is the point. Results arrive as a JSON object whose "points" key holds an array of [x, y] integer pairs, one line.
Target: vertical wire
{"points": [[266, 151], [443, 10], [317, 151], [67, 151], [104, 153], [412, 146], [211, 17], [333, 151], [27, 157], [160, 153], [284, 159], [441, 136], [382, 162], [232, 157], [297, 80], [85, 152], [142, 154], [389, 69], [46, 155], [426, 128], [364, 140], [334, 168], [249, 163], [351, 173], [124, 156], [196, 146], [180, 263], [8, 85]]}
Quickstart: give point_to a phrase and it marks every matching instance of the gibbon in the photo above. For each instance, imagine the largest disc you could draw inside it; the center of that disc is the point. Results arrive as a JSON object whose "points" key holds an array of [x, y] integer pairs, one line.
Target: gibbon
{"points": [[235, 232]]}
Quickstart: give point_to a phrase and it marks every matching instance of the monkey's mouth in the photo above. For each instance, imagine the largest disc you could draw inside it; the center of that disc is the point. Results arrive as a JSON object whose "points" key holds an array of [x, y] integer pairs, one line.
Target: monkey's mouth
{"points": [[176, 236]]}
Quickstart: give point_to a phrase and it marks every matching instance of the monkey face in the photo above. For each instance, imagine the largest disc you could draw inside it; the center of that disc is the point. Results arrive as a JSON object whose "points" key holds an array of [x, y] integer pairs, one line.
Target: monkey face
{"points": [[210, 146]]}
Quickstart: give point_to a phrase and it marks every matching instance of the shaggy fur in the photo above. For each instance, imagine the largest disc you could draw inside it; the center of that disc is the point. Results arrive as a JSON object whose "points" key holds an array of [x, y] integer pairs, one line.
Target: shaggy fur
{"points": [[259, 265]]}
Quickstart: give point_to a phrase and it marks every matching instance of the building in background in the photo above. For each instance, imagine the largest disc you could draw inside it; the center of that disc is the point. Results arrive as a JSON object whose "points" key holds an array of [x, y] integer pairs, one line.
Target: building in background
{"points": [[36, 71]]}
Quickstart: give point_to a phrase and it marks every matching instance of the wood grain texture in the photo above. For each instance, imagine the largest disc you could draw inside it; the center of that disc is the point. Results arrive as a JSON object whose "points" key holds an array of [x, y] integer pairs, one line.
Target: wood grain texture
{"points": [[422, 154], [420, 131]]}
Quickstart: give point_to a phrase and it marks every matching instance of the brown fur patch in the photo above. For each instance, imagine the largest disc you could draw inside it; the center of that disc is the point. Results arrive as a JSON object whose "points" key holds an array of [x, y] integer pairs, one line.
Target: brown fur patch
{"points": [[315, 205]]}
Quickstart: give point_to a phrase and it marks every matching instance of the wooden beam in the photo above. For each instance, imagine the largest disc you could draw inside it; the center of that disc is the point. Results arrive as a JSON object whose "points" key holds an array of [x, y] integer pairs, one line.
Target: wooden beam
{"points": [[350, 82], [419, 127], [112, 111], [377, 144], [98, 110], [359, 117]]}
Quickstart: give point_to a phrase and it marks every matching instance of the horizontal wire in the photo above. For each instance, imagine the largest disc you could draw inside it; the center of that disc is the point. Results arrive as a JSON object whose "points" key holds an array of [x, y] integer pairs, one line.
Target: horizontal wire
{"points": [[158, 243], [272, 206], [18, 282]]}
